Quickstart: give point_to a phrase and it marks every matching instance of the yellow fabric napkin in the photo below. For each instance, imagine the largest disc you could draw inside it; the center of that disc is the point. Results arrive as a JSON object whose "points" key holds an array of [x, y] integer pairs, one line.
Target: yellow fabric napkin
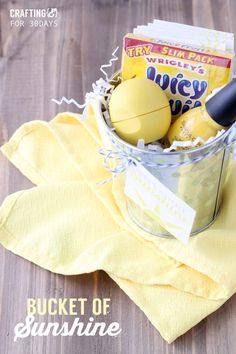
{"points": [[69, 225]]}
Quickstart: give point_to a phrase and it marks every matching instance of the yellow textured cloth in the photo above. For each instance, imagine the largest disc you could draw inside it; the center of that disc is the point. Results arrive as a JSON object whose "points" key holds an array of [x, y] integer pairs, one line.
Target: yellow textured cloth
{"points": [[69, 225]]}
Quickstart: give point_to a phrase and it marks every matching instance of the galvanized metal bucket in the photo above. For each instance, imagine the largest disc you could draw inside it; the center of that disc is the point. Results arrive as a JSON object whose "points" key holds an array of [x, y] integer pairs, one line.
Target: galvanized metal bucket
{"points": [[197, 176]]}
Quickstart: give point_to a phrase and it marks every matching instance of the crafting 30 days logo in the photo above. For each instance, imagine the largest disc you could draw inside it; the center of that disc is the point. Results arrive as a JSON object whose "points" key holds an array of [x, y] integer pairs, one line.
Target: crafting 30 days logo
{"points": [[75, 308], [34, 17]]}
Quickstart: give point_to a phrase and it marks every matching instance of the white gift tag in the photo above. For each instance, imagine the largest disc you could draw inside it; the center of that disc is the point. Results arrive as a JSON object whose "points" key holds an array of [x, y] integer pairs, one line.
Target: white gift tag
{"points": [[171, 212]]}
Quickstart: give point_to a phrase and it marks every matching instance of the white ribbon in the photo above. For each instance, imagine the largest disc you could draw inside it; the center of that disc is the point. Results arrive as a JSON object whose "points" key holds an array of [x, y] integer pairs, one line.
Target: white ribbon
{"points": [[113, 59], [122, 159], [100, 88]]}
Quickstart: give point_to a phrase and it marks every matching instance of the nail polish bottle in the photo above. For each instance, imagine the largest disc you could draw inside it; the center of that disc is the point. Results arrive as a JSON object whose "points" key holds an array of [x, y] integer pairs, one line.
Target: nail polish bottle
{"points": [[219, 112]]}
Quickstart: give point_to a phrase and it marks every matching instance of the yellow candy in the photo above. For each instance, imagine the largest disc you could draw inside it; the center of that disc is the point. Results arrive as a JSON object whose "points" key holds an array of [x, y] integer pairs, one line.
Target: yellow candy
{"points": [[139, 109]]}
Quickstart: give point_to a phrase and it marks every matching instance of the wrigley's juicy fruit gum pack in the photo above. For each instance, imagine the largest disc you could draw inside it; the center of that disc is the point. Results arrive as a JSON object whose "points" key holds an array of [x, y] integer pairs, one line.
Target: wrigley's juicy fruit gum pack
{"points": [[187, 62]]}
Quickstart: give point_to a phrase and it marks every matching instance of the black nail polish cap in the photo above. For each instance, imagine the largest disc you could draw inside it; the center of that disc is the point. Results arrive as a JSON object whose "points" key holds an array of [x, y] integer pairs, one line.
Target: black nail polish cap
{"points": [[222, 106]]}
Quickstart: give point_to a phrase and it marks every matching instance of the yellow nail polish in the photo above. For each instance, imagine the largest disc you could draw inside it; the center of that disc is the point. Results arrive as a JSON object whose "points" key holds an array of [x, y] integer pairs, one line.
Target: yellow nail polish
{"points": [[204, 122]]}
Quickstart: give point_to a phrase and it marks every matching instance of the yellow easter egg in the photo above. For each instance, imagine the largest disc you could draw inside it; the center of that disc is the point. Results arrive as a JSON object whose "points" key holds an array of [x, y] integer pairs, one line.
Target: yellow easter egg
{"points": [[139, 109]]}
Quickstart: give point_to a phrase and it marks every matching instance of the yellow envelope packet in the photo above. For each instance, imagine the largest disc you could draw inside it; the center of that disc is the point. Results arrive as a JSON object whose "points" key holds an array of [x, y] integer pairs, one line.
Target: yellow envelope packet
{"points": [[186, 74]]}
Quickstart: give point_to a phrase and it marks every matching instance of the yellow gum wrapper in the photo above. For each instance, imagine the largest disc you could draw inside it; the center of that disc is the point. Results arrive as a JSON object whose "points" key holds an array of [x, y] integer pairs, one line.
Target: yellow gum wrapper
{"points": [[186, 75]]}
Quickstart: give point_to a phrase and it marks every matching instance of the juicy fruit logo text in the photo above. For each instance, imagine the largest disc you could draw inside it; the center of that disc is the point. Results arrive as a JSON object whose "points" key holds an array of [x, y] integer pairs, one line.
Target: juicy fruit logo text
{"points": [[179, 86]]}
